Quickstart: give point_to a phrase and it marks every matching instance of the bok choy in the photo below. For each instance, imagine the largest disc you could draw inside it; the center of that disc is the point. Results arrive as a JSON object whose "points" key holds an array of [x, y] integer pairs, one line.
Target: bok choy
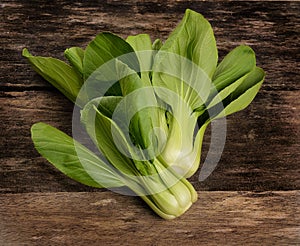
{"points": [[145, 106]]}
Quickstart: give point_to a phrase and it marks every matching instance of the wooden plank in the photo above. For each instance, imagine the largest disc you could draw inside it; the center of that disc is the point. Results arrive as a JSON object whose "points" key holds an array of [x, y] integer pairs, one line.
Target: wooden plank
{"points": [[47, 29], [22, 169], [262, 148], [218, 218]]}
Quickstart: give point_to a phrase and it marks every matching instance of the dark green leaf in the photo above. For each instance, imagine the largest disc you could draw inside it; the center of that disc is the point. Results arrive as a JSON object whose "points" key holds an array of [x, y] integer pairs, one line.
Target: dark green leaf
{"points": [[245, 93], [236, 64], [157, 44], [105, 47]]}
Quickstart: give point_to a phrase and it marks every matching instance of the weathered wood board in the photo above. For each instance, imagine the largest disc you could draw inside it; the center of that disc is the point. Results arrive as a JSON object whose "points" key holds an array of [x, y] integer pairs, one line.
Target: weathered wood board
{"points": [[218, 218]]}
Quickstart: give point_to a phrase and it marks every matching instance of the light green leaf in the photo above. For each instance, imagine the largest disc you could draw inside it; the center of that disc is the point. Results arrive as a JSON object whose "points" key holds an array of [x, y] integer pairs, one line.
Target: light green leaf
{"points": [[59, 74], [193, 39], [181, 82], [75, 57], [140, 42], [182, 72], [100, 128], [143, 46], [186, 62], [72, 158]]}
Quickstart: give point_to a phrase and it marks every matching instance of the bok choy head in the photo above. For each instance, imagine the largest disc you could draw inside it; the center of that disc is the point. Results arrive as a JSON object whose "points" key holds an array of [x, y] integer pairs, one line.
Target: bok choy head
{"points": [[145, 107]]}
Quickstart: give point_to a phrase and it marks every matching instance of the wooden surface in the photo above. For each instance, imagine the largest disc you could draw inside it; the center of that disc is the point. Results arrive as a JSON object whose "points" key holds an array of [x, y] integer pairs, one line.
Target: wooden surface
{"points": [[253, 195], [268, 218]]}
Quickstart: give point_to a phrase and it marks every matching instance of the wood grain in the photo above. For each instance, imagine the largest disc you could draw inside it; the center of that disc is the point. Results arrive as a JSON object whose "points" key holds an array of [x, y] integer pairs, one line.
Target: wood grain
{"points": [[226, 218]]}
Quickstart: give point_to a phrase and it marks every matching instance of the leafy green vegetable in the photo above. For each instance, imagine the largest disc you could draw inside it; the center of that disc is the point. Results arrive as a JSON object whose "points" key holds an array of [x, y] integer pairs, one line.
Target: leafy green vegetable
{"points": [[58, 73], [72, 158], [141, 103]]}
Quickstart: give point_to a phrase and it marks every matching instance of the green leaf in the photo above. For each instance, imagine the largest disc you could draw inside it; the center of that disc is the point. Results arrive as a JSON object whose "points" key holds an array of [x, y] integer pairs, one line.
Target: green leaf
{"points": [[129, 80], [230, 73], [59, 74], [245, 93], [235, 71], [140, 42], [72, 158], [143, 46], [100, 128], [236, 64], [103, 82], [186, 62], [229, 89], [75, 57], [239, 98], [107, 104], [193, 39], [105, 47], [157, 44], [141, 111], [182, 72], [99, 67]]}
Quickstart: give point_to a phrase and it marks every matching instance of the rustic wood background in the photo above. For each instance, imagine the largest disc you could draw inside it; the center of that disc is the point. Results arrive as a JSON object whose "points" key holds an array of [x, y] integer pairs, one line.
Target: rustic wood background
{"points": [[251, 198]]}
